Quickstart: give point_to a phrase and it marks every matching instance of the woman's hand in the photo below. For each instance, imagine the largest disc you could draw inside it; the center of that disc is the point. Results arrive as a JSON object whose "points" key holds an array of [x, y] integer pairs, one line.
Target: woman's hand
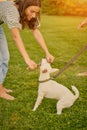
{"points": [[83, 24], [49, 58], [31, 65]]}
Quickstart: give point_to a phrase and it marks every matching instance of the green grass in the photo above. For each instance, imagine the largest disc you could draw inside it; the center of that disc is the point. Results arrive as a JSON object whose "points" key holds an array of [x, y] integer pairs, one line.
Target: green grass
{"points": [[64, 41]]}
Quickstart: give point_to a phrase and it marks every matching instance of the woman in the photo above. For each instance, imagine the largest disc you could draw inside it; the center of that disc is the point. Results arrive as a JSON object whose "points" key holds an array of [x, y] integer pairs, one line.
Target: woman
{"points": [[81, 25], [19, 15]]}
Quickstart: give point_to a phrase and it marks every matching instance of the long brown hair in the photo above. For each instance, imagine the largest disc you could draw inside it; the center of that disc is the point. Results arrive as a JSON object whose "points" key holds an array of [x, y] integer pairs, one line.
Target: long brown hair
{"points": [[22, 5]]}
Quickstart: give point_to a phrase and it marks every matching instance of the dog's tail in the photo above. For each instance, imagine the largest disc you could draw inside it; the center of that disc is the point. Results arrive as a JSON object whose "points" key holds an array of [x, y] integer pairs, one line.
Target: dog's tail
{"points": [[76, 92]]}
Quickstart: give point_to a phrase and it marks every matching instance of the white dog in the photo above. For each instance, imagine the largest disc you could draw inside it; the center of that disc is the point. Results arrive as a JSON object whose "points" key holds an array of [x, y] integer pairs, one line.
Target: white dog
{"points": [[51, 89]]}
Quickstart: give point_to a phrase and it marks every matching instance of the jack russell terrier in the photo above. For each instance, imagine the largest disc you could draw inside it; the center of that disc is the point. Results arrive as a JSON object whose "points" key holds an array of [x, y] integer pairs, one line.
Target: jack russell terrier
{"points": [[51, 89]]}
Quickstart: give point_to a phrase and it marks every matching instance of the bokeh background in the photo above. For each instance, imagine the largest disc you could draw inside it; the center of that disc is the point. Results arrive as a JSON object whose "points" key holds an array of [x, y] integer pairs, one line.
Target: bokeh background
{"points": [[65, 7]]}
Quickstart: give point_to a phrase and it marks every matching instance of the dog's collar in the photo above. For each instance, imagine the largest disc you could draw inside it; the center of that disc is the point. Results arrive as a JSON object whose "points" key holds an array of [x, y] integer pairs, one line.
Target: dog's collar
{"points": [[42, 81]]}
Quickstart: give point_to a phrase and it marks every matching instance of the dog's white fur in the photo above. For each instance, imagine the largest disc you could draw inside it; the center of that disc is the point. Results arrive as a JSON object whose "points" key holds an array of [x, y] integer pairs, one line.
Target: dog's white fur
{"points": [[54, 90]]}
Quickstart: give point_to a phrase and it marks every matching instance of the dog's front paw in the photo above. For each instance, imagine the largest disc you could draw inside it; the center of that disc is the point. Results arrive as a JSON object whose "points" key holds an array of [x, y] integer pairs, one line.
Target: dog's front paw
{"points": [[33, 109]]}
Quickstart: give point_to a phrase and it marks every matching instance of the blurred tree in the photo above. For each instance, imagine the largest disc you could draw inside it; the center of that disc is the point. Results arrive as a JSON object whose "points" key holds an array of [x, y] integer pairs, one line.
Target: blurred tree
{"points": [[65, 7]]}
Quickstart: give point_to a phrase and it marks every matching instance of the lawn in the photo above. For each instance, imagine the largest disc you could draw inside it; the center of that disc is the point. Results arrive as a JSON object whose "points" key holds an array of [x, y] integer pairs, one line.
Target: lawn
{"points": [[64, 41]]}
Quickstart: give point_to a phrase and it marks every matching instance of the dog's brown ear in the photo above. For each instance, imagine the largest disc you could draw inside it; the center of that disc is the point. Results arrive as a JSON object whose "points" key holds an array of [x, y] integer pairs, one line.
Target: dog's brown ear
{"points": [[44, 71]]}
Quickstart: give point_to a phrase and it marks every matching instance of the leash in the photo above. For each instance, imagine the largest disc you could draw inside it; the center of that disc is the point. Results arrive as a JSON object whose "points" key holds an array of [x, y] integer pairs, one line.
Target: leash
{"points": [[71, 61]]}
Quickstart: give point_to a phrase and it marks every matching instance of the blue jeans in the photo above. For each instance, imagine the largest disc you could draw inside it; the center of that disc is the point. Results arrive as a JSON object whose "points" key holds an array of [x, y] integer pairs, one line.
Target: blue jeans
{"points": [[4, 56]]}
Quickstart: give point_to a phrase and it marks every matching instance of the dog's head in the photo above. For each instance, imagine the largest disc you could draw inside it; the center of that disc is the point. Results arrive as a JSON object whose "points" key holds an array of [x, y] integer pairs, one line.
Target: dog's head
{"points": [[46, 67], [43, 66]]}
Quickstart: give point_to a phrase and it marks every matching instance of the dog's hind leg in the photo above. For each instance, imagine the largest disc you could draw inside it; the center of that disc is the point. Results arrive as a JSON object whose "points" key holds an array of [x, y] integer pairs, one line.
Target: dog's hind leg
{"points": [[38, 101], [59, 107], [64, 103]]}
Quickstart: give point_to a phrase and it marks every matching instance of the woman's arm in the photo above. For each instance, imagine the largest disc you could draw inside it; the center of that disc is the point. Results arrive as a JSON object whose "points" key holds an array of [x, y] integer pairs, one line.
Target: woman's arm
{"points": [[19, 43], [38, 36], [83, 23]]}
